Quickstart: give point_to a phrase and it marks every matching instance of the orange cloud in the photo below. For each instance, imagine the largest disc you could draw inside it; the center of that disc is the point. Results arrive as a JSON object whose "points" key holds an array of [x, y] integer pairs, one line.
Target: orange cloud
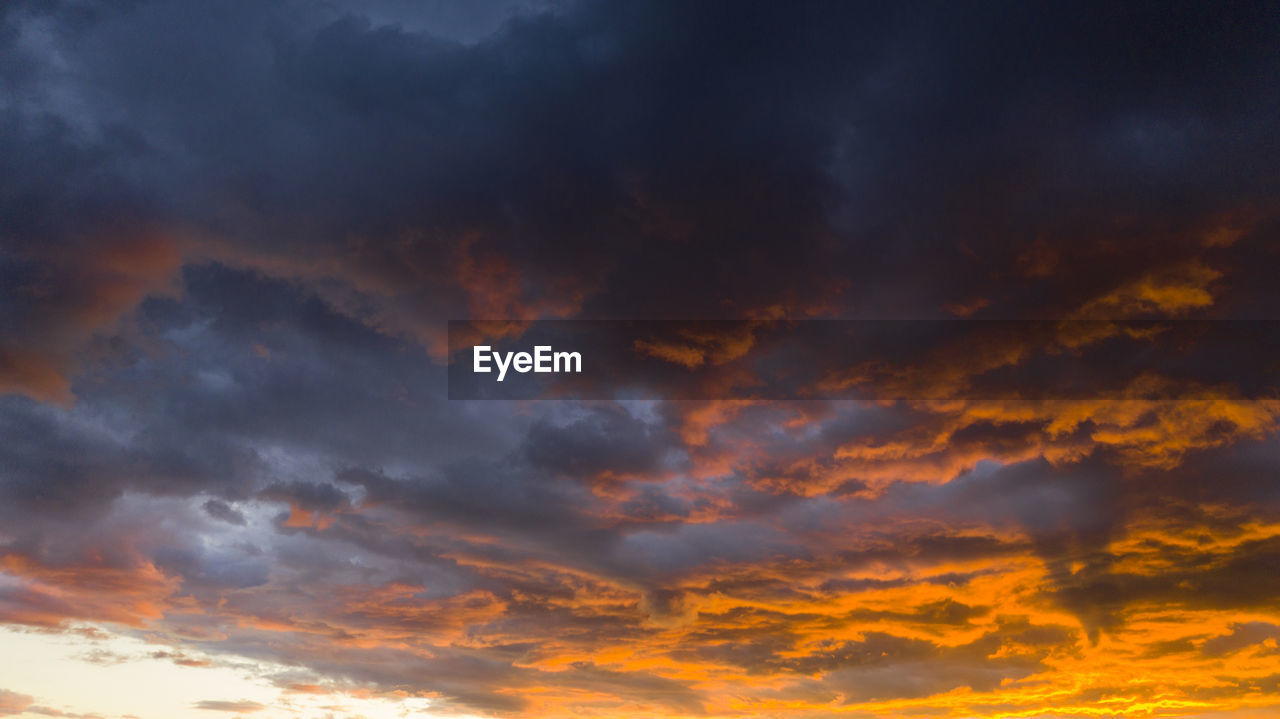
{"points": [[1170, 291], [77, 291]]}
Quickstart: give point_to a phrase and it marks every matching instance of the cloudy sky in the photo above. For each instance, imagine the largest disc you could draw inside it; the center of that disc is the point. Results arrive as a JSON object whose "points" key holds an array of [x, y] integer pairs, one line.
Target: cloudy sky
{"points": [[232, 234]]}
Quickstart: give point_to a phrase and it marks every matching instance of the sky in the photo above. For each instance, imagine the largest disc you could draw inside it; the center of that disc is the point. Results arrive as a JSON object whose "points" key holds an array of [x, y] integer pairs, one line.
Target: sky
{"points": [[232, 236]]}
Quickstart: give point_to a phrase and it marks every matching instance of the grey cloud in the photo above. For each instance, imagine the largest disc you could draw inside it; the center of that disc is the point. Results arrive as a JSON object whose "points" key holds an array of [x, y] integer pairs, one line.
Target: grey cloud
{"points": [[223, 511], [335, 182]]}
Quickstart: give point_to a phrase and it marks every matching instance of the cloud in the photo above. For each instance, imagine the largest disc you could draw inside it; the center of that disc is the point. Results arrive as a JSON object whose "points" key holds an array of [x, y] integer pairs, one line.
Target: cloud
{"points": [[59, 301], [223, 511], [233, 707], [234, 234], [14, 703]]}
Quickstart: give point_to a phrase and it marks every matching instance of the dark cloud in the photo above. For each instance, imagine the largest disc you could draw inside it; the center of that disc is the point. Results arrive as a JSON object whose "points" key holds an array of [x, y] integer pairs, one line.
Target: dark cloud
{"points": [[232, 235], [1242, 635], [606, 443], [223, 511]]}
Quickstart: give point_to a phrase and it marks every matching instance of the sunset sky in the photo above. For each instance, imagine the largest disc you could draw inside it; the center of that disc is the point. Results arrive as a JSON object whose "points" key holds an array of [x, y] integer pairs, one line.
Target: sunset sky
{"points": [[232, 482]]}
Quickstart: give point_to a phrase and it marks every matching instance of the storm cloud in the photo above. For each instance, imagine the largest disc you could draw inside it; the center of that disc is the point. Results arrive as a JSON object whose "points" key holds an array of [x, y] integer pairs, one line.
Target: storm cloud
{"points": [[232, 235]]}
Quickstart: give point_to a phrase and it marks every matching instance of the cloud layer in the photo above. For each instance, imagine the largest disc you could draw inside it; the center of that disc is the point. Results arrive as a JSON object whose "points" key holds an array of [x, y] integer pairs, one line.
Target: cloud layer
{"points": [[233, 234]]}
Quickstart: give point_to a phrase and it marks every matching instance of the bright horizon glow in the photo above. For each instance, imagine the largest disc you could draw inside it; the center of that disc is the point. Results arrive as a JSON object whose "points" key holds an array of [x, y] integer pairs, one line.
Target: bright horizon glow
{"points": [[114, 674]]}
